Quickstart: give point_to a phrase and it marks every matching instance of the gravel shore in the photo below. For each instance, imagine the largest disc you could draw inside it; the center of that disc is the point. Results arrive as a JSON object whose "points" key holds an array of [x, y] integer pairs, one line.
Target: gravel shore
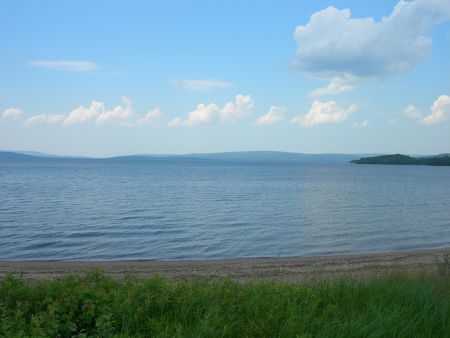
{"points": [[289, 269]]}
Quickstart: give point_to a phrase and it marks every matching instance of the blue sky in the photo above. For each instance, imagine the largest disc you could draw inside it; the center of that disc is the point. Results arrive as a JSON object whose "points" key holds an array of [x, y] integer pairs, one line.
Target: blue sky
{"points": [[103, 78]]}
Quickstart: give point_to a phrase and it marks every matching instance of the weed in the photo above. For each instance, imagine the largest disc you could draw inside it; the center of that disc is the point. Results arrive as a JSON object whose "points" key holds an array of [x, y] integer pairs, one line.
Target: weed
{"points": [[98, 306]]}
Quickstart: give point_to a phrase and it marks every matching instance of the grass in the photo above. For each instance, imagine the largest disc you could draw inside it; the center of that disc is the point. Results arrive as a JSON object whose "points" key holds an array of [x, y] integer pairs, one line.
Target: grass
{"points": [[99, 306]]}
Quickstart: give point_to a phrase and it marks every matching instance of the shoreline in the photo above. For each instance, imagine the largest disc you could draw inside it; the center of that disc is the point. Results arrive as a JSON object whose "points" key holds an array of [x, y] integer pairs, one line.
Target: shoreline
{"points": [[283, 269]]}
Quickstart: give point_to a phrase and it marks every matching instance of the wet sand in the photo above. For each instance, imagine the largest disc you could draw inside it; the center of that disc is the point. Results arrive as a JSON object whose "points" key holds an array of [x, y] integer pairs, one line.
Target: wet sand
{"points": [[289, 269]]}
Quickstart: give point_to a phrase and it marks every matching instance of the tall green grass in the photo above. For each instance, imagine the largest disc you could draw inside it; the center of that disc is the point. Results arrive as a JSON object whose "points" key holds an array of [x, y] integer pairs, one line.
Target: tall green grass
{"points": [[96, 305]]}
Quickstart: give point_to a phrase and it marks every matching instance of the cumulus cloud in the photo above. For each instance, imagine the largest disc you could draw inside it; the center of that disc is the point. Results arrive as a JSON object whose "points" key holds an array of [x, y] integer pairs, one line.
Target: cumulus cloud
{"points": [[324, 112], [12, 113], [84, 114], [95, 112], [201, 84], [151, 116], [44, 118], [203, 114], [230, 112], [335, 46], [412, 112], [362, 124], [120, 112], [440, 111], [274, 115], [73, 66], [233, 111], [337, 85]]}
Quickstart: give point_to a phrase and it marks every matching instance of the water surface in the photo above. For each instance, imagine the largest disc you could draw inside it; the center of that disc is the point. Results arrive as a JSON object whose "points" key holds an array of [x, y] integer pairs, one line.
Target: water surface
{"points": [[154, 209]]}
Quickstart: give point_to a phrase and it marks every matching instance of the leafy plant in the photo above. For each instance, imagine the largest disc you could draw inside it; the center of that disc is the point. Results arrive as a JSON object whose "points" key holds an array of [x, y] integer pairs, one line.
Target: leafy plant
{"points": [[98, 306]]}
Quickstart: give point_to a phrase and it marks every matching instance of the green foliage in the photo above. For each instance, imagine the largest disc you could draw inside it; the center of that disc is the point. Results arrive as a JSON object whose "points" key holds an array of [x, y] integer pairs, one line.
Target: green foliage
{"points": [[98, 306], [405, 160]]}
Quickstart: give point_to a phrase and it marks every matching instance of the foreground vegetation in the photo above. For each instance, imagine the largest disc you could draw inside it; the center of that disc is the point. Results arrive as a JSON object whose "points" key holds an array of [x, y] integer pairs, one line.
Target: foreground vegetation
{"points": [[96, 305], [405, 160]]}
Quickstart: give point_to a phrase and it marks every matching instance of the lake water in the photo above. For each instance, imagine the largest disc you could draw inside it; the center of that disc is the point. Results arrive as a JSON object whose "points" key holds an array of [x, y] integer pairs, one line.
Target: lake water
{"points": [[123, 209]]}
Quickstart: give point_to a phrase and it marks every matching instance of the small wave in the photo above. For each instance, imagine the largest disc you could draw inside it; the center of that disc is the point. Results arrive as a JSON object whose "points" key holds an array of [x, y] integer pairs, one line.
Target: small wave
{"points": [[144, 218]]}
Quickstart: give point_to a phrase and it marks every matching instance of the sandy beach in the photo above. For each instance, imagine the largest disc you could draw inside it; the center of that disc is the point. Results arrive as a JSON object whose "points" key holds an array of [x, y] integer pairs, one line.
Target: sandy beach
{"points": [[290, 269]]}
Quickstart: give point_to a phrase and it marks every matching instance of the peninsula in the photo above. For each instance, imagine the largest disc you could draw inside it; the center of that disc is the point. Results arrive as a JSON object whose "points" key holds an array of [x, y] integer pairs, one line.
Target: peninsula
{"points": [[399, 159]]}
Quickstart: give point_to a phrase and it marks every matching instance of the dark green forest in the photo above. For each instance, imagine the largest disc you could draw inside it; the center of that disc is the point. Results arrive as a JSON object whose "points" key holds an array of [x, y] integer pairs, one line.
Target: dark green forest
{"points": [[400, 159]]}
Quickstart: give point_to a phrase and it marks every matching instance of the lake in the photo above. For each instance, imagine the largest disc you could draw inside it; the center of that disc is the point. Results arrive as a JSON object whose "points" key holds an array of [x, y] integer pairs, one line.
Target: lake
{"points": [[85, 209]]}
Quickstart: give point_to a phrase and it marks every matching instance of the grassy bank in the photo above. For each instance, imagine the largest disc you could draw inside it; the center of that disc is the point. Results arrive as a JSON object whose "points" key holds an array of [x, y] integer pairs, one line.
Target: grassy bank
{"points": [[95, 305]]}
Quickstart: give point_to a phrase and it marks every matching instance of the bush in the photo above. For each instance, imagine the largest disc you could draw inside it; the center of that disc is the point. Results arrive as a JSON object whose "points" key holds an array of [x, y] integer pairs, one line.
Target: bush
{"points": [[99, 306]]}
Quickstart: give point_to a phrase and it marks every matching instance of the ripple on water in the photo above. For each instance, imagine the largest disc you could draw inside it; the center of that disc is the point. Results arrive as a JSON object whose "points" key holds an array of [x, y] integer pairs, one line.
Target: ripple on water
{"points": [[68, 209]]}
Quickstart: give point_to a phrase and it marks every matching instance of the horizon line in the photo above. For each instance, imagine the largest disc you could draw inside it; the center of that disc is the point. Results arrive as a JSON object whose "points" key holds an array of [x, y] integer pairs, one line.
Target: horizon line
{"points": [[45, 154]]}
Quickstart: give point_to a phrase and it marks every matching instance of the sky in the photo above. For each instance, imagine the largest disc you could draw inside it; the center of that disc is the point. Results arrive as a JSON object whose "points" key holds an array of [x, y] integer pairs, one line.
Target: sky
{"points": [[105, 78]]}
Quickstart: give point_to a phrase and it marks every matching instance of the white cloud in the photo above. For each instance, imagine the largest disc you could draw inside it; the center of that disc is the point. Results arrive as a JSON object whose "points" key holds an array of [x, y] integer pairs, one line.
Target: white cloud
{"points": [[176, 122], [43, 118], [84, 114], [203, 114], [440, 111], [230, 112], [337, 85], [119, 112], [73, 66], [201, 84], [333, 45], [151, 116], [363, 124], [324, 112], [233, 111], [12, 113], [97, 112], [412, 112], [274, 115]]}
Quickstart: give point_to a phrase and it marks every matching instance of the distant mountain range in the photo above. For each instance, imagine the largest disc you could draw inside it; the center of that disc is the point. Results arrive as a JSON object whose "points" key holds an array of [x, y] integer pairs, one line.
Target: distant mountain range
{"points": [[242, 156], [252, 156], [31, 154]]}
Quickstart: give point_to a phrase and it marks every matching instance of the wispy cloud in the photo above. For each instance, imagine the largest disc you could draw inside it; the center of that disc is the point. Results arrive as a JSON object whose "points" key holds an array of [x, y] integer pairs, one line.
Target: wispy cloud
{"points": [[391, 120], [66, 65], [412, 112], [362, 124], [44, 118], [201, 84]]}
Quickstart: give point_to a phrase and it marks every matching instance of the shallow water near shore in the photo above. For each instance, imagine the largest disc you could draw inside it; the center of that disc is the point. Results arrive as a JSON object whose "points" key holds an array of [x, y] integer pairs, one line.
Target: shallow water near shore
{"points": [[83, 209]]}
